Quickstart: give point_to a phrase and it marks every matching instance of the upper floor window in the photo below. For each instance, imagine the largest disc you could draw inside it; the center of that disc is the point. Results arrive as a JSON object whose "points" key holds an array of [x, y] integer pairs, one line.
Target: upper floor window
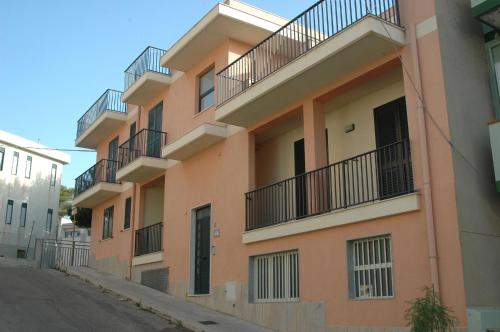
{"points": [[27, 172], [15, 162], [107, 225], [53, 175], [8, 214], [24, 212], [206, 90], [128, 213], [2, 155], [48, 222], [370, 268]]}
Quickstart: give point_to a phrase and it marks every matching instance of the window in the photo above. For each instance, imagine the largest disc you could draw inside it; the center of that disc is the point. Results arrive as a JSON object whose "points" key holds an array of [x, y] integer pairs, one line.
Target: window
{"points": [[24, 211], [107, 226], [128, 212], [370, 268], [8, 214], [48, 222], [2, 155], [207, 90], [15, 162], [276, 277], [53, 175], [27, 172]]}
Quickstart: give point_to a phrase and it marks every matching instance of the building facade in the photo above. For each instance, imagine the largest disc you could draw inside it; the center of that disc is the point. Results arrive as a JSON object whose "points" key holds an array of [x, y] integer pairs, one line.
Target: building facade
{"points": [[305, 175], [30, 181]]}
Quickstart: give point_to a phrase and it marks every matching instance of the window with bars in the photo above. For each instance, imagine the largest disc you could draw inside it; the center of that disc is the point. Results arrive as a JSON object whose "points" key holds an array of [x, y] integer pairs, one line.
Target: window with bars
{"points": [[370, 268], [276, 277]]}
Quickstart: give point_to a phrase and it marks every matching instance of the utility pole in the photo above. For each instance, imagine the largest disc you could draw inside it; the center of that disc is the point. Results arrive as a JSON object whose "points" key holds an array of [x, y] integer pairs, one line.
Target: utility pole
{"points": [[73, 244], [29, 241]]}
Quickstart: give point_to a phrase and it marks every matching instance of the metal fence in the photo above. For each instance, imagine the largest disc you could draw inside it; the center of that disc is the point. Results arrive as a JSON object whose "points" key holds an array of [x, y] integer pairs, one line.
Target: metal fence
{"points": [[110, 100], [318, 23], [60, 253], [148, 60], [148, 239], [146, 143], [103, 171], [375, 175]]}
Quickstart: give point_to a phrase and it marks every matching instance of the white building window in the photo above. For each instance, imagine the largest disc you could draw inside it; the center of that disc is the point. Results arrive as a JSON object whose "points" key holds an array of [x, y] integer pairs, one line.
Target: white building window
{"points": [[370, 268], [276, 277], [15, 162], [48, 222], [8, 214], [24, 212], [53, 175], [27, 171]]}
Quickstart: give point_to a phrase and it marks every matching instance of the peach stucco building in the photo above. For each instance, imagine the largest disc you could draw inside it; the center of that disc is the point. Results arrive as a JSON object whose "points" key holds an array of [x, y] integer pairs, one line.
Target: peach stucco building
{"points": [[305, 175]]}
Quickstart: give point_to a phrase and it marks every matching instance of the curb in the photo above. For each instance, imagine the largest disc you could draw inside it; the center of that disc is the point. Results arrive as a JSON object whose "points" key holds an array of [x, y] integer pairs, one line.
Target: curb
{"points": [[138, 301]]}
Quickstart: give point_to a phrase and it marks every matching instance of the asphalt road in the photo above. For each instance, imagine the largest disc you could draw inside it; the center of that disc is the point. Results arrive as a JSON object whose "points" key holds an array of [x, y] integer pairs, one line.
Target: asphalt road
{"points": [[48, 300]]}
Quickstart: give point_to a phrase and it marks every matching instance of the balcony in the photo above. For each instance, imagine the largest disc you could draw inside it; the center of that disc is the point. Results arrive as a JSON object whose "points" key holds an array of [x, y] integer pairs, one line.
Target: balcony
{"points": [[148, 240], [145, 78], [140, 157], [195, 141], [97, 184], [328, 41], [106, 115], [337, 191]]}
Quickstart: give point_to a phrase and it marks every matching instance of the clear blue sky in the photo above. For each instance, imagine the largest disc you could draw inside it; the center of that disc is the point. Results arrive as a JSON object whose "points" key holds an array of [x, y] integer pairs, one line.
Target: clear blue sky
{"points": [[58, 56]]}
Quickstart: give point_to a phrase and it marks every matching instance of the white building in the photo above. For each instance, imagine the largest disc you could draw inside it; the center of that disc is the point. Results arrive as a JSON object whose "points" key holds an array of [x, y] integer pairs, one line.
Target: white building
{"points": [[66, 230], [30, 182]]}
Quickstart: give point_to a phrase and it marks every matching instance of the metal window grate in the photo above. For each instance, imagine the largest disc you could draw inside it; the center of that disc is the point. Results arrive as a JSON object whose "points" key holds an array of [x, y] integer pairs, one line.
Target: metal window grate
{"points": [[276, 277], [372, 268]]}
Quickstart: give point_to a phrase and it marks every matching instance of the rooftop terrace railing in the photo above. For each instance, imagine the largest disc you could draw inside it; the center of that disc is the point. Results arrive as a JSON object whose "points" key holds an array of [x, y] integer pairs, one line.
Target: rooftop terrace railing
{"points": [[110, 100], [318, 23], [103, 171], [148, 60]]}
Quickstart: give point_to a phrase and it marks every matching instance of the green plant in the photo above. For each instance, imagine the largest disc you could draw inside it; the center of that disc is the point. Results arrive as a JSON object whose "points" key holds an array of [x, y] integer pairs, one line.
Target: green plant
{"points": [[428, 314]]}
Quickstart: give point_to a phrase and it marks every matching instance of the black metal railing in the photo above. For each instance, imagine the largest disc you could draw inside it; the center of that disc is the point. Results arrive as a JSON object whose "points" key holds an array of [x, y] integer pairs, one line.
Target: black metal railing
{"points": [[318, 23], [110, 100], [103, 171], [148, 239], [146, 143], [148, 60], [379, 174]]}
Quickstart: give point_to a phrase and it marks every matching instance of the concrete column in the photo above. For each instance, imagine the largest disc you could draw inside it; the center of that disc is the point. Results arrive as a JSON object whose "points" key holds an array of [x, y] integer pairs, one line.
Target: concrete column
{"points": [[314, 135]]}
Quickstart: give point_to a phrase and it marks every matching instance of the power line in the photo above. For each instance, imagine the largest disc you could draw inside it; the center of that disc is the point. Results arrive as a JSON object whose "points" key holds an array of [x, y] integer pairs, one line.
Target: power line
{"points": [[53, 149]]}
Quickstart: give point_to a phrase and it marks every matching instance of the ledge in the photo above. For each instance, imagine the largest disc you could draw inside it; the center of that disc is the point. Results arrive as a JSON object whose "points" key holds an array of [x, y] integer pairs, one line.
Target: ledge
{"points": [[194, 141], [149, 85], [380, 209], [97, 194], [105, 124], [148, 259], [142, 169]]}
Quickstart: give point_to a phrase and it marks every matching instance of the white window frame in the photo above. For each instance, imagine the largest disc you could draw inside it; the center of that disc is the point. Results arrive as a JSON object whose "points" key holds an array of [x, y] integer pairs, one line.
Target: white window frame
{"points": [[279, 269], [27, 171], [15, 163], [371, 273]]}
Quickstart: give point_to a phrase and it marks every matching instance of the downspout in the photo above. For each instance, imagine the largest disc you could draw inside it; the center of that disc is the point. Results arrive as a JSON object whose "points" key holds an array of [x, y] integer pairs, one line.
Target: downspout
{"points": [[134, 201], [427, 190]]}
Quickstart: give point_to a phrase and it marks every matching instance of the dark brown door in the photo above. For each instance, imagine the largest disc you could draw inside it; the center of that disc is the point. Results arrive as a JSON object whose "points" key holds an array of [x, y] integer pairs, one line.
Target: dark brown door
{"points": [[202, 252]]}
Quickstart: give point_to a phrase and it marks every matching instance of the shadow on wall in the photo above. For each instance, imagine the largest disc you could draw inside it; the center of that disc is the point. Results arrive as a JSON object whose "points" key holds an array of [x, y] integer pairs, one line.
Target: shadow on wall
{"points": [[40, 196]]}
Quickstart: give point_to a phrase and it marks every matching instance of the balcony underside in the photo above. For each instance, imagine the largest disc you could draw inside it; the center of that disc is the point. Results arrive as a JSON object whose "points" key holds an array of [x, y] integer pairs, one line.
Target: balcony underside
{"points": [[108, 122], [142, 169], [154, 257], [146, 87], [352, 49], [368, 211], [98, 194], [195, 141]]}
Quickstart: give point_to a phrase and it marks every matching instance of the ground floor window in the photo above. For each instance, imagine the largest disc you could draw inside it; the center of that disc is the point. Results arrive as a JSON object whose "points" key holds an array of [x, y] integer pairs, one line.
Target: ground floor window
{"points": [[276, 277], [107, 226], [370, 268]]}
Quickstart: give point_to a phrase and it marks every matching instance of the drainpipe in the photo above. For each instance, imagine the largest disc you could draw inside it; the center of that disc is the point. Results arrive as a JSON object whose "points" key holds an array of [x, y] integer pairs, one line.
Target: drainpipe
{"points": [[427, 190]]}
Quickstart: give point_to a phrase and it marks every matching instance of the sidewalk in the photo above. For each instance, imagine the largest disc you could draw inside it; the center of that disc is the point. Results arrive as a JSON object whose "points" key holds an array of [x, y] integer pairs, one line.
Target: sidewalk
{"points": [[189, 314]]}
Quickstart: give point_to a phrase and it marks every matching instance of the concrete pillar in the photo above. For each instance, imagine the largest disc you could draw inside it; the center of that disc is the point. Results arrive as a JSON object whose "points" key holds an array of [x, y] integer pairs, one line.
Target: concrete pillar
{"points": [[314, 135]]}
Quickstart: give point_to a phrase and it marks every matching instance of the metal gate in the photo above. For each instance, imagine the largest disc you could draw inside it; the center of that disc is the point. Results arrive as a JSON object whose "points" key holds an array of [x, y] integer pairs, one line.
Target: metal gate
{"points": [[60, 253]]}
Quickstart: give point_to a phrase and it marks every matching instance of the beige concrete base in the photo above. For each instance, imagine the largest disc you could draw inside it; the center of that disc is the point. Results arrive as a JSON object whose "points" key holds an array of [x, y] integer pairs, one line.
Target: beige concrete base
{"points": [[138, 269], [110, 265]]}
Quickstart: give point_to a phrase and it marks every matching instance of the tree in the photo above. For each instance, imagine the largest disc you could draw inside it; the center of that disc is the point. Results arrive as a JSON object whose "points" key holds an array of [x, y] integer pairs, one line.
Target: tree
{"points": [[65, 200], [82, 218], [428, 314]]}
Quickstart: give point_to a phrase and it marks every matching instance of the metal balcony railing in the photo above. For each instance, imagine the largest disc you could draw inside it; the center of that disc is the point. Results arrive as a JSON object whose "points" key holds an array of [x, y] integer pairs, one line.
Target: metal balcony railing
{"points": [[148, 60], [148, 239], [110, 100], [379, 174], [315, 25], [103, 171], [146, 143]]}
